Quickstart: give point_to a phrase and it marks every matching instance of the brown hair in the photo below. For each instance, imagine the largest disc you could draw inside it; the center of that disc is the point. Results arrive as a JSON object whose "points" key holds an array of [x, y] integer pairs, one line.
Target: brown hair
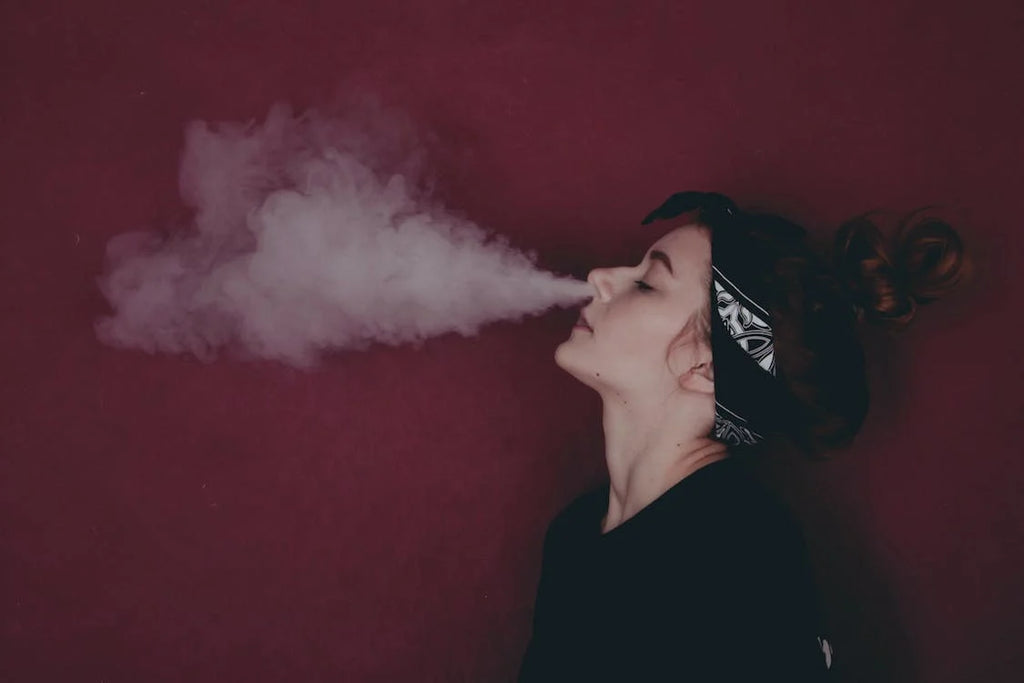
{"points": [[817, 302]]}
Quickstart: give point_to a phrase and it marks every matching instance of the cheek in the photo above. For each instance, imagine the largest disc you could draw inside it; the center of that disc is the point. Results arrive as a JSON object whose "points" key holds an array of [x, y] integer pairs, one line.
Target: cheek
{"points": [[639, 336]]}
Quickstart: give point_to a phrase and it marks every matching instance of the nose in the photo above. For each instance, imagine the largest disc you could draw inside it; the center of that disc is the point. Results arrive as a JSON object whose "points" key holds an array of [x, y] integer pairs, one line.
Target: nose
{"points": [[600, 280]]}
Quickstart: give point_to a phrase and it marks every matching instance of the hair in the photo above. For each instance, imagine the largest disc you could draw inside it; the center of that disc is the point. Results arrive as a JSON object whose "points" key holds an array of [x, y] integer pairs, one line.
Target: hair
{"points": [[818, 301]]}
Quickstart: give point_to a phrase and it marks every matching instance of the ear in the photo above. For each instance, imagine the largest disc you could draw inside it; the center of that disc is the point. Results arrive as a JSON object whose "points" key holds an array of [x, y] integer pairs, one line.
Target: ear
{"points": [[699, 377]]}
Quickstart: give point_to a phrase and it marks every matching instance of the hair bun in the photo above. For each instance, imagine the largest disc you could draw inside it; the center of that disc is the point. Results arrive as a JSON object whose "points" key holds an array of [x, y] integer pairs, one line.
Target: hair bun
{"points": [[928, 261], [930, 258]]}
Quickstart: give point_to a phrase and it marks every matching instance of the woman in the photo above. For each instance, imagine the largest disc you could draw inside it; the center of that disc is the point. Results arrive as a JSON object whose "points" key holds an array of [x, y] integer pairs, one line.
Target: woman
{"points": [[730, 334]]}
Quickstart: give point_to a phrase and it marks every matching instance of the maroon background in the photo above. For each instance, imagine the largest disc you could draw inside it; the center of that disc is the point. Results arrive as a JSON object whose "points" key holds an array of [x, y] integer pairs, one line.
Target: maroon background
{"points": [[382, 519]]}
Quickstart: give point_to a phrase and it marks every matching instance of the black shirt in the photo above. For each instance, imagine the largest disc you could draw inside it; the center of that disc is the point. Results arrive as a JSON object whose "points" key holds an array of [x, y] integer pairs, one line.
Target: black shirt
{"points": [[709, 582]]}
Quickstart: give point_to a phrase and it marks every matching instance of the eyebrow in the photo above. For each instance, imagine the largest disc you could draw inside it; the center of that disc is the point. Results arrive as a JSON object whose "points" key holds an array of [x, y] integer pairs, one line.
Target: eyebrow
{"points": [[663, 257]]}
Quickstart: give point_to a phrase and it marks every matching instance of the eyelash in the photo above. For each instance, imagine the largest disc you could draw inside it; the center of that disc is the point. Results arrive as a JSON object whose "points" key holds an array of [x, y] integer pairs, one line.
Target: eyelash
{"points": [[643, 286]]}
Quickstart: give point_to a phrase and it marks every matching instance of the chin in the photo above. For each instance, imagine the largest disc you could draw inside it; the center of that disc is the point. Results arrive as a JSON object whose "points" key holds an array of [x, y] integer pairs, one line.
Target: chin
{"points": [[564, 360], [560, 354], [561, 351]]}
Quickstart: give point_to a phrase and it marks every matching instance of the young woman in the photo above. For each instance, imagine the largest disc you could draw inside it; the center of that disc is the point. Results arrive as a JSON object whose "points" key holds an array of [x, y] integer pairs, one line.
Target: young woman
{"points": [[730, 333]]}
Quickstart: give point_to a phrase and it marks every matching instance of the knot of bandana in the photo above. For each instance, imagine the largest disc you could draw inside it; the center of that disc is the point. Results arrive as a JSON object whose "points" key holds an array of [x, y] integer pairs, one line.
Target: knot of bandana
{"points": [[750, 394]]}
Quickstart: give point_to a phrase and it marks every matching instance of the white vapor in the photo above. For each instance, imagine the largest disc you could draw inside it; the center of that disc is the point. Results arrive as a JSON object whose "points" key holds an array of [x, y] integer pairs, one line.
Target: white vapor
{"points": [[312, 233]]}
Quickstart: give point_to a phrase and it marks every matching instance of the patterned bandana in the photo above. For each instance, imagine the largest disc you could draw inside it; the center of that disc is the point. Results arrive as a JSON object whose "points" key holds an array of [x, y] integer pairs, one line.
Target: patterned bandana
{"points": [[750, 398]]}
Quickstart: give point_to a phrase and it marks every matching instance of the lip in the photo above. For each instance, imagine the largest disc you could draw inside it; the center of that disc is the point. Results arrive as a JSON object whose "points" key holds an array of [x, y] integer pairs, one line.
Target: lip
{"points": [[582, 323]]}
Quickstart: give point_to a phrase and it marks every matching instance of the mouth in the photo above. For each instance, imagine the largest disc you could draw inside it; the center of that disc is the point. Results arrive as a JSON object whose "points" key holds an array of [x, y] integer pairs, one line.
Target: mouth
{"points": [[582, 323]]}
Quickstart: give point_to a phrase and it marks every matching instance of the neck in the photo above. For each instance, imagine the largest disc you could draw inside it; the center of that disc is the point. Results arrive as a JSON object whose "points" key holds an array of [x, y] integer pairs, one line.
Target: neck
{"points": [[647, 453]]}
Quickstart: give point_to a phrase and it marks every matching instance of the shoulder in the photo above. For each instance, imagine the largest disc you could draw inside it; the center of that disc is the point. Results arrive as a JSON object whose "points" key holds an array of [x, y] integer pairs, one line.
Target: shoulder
{"points": [[750, 544], [758, 590]]}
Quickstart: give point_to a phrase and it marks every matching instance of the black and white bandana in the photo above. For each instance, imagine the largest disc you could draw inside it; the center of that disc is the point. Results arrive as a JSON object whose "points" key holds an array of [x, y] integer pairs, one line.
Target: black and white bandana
{"points": [[750, 398]]}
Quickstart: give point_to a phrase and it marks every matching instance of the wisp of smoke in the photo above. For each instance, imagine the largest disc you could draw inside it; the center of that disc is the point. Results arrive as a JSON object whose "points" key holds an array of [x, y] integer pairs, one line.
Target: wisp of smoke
{"points": [[314, 232]]}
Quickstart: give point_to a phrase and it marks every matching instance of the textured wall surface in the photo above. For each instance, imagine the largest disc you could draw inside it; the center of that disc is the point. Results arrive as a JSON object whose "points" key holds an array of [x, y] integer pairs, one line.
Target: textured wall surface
{"points": [[381, 519]]}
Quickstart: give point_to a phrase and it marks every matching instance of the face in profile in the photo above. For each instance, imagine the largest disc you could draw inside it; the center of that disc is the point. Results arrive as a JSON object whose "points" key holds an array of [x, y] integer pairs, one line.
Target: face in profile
{"points": [[637, 314]]}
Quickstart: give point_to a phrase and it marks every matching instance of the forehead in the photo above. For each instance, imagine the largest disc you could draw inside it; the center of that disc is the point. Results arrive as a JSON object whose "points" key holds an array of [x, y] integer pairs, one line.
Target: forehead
{"points": [[688, 244]]}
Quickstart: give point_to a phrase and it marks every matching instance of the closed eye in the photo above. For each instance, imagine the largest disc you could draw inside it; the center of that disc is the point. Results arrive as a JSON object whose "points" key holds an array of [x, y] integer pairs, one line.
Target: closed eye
{"points": [[643, 286]]}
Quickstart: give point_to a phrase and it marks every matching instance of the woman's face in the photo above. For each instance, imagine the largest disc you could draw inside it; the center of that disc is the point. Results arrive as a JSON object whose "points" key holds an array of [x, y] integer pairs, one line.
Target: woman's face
{"points": [[636, 315]]}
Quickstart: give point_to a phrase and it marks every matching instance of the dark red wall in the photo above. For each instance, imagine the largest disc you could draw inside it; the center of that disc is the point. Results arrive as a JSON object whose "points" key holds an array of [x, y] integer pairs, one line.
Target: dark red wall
{"points": [[381, 520]]}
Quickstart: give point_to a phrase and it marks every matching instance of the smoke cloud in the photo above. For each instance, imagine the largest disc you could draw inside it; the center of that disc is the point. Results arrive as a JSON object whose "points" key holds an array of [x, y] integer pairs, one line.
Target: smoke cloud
{"points": [[314, 232]]}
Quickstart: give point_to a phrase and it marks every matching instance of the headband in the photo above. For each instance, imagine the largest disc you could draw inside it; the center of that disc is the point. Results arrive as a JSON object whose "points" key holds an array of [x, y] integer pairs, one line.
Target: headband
{"points": [[750, 395]]}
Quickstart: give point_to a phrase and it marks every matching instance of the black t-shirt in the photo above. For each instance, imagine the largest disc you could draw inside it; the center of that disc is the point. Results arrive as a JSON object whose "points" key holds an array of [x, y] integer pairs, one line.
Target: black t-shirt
{"points": [[709, 582]]}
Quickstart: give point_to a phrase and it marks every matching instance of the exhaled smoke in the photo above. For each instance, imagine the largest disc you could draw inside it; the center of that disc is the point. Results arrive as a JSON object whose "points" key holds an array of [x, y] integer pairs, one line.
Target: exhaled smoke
{"points": [[314, 232]]}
